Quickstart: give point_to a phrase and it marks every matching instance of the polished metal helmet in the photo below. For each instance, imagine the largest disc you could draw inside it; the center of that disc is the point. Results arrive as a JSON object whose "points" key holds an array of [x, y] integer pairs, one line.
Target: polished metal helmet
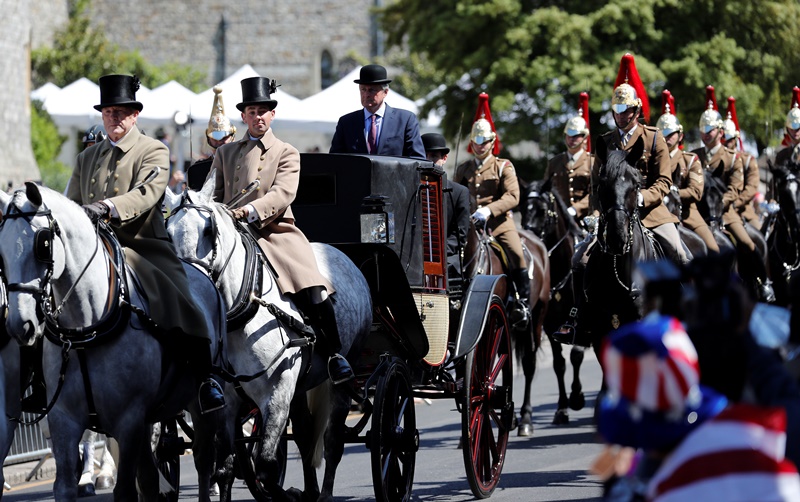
{"points": [[576, 126], [793, 118], [94, 134], [729, 129], [710, 119], [624, 98], [219, 126], [669, 123], [482, 132]]}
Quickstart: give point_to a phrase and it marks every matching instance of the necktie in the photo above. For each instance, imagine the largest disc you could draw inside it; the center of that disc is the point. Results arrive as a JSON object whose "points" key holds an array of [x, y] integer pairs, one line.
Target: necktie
{"points": [[372, 137]]}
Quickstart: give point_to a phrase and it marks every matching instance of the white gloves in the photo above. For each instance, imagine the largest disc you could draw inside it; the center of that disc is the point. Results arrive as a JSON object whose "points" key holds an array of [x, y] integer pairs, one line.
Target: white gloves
{"points": [[639, 199], [572, 212], [481, 215]]}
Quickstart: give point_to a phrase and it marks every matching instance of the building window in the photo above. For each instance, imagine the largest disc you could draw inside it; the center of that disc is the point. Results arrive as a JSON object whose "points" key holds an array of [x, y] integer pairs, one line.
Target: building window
{"points": [[326, 70]]}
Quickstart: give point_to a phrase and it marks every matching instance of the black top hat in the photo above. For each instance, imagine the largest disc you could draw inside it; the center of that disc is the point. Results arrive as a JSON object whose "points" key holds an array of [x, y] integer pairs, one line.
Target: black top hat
{"points": [[256, 91], [119, 90], [434, 142], [373, 74]]}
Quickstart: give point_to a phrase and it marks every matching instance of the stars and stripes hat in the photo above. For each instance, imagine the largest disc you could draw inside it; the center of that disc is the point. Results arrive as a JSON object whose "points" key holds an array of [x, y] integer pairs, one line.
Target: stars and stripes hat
{"points": [[653, 397]]}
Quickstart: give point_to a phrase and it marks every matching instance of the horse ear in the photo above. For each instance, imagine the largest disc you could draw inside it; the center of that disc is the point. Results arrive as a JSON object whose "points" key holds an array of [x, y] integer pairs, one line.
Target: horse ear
{"points": [[636, 152], [4, 200], [547, 185], [601, 150], [33, 194], [171, 200], [210, 185]]}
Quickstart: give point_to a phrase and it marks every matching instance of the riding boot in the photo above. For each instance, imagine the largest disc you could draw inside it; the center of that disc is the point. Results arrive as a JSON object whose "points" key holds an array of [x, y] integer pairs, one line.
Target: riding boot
{"points": [[520, 314], [210, 395], [339, 369]]}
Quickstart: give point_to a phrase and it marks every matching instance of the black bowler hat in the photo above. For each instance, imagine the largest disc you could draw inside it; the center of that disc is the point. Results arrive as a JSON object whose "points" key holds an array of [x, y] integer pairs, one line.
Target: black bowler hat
{"points": [[256, 91], [119, 90], [373, 74], [434, 142]]}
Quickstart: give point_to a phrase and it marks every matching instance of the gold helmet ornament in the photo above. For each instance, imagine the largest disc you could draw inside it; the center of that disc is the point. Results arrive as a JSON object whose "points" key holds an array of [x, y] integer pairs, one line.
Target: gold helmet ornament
{"points": [[483, 129], [629, 90], [219, 126], [668, 123]]}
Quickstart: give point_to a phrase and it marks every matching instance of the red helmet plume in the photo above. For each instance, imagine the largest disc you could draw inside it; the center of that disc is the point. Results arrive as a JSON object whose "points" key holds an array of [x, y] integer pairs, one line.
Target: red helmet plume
{"points": [[628, 74], [583, 108], [711, 98], [667, 102], [483, 112], [732, 116]]}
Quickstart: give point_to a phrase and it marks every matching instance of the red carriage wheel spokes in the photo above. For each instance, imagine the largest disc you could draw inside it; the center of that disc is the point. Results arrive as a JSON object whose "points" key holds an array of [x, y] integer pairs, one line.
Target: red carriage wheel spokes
{"points": [[488, 410], [393, 439]]}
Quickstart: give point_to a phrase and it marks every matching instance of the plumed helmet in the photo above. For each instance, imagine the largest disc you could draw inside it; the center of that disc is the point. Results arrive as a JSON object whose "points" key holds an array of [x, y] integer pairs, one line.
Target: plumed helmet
{"points": [[94, 134], [481, 132], [219, 126], [710, 120], [793, 118], [625, 97], [729, 128], [629, 75], [668, 124], [575, 126], [484, 113]]}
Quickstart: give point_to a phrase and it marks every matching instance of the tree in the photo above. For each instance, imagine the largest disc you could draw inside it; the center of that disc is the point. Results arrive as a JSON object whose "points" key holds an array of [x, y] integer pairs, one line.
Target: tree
{"points": [[79, 50], [46, 143], [534, 57]]}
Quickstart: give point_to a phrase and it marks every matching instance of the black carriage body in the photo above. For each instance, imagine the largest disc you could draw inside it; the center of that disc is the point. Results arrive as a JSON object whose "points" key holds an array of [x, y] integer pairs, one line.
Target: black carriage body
{"points": [[407, 276]]}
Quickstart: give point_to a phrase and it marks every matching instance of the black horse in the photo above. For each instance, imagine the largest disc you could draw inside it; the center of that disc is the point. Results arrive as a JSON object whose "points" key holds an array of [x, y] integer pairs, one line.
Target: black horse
{"points": [[711, 209], [611, 296], [545, 214], [784, 234]]}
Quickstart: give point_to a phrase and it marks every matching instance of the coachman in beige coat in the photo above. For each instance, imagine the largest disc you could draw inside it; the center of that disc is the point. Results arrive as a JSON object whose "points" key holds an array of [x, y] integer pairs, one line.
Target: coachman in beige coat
{"points": [[276, 165]]}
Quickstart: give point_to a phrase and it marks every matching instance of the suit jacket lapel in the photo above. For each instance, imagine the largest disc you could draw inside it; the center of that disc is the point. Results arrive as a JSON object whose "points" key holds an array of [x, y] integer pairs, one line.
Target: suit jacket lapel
{"points": [[387, 125]]}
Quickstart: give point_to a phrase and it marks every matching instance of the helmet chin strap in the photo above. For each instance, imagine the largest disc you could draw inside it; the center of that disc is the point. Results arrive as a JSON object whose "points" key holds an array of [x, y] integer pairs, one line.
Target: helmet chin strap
{"points": [[486, 152]]}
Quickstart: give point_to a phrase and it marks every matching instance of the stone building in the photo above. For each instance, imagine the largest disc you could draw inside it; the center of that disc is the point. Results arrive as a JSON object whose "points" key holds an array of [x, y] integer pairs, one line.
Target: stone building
{"points": [[305, 45], [17, 163]]}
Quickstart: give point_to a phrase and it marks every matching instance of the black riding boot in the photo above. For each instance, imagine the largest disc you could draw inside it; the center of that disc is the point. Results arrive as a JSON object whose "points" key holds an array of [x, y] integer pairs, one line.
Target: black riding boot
{"points": [[520, 314], [210, 396], [339, 369]]}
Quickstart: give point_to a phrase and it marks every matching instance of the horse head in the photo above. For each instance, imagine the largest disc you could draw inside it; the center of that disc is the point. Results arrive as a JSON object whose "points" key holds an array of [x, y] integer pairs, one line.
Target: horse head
{"points": [[538, 211], [618, 185], [787, 189], [711, 204], [33, 250]]}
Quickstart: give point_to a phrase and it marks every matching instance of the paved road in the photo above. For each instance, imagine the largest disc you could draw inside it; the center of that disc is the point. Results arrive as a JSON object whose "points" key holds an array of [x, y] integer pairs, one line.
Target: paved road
{"points": [[550, 466]]}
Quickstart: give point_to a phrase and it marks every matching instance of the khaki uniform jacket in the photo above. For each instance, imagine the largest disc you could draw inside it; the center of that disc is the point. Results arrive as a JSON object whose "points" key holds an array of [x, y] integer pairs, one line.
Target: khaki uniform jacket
{"points": [[656, 170], [110, 172], [277, 166], [687, 169], [728, 165], [572, 183], [744, 204], [492, 184]]}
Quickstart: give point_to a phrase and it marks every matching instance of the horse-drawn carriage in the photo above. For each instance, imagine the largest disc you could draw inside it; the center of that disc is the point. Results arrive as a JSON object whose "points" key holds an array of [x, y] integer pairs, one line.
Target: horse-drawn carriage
{"points": [[433, 335]]}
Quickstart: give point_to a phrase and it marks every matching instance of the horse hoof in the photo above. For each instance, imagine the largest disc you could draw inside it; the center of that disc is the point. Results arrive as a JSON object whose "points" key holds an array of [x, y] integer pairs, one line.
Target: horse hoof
{"points": [[104, 482], [561, 417], [576, 401], [525, 430], [86, 490]]}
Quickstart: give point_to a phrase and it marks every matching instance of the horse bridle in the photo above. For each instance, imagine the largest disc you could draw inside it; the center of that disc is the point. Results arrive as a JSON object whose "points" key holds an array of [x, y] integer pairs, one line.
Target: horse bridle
{"points": [[186, 204], [632, 217]]}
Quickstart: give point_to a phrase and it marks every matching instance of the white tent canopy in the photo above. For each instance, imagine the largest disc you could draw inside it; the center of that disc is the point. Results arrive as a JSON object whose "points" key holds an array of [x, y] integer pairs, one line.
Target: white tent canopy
{"points": [[161, 103], [45, 92]]}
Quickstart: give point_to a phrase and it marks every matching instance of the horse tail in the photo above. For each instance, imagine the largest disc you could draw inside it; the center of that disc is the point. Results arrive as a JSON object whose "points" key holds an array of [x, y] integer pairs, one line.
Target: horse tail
{"points": [[320, 404]]}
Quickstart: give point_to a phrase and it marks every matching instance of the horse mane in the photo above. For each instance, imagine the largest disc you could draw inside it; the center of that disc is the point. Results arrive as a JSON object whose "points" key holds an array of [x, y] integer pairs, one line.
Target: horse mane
{"points": [[617, 167]]}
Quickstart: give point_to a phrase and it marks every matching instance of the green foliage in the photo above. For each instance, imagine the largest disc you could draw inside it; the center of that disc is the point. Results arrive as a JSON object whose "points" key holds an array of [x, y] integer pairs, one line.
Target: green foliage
{"points": [[46, 143], [80, 50], [533, 57]]}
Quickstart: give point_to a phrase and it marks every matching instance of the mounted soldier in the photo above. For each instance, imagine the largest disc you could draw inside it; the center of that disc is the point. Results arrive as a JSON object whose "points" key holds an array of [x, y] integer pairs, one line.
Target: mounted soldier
{"points": [[629, 103], [571, 171], [791, 136], [494, 190], [732, 139], [687, 173], [726, 164], [114, 181], [219, 132]]}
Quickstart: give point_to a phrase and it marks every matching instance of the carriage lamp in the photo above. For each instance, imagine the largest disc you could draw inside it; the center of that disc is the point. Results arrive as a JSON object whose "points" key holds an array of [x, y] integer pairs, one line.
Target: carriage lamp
{"points": [[377, 220]]}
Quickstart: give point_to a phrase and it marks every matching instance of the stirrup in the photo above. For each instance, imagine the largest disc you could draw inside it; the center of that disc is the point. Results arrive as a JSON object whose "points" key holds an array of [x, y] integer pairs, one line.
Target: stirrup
{"points": [[765, 291], [210, 396], [339, 370], [565, 333], [520, 315]]}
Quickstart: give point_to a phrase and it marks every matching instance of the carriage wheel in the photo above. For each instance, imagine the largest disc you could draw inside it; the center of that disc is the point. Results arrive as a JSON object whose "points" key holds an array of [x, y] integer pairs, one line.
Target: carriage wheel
{"points": [[168, 451], [394, 438], [248, 444], [487, 413]]}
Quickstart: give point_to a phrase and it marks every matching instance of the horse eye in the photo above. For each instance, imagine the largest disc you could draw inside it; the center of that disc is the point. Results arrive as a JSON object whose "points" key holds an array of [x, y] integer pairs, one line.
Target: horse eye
{"points": [[207, 231]]}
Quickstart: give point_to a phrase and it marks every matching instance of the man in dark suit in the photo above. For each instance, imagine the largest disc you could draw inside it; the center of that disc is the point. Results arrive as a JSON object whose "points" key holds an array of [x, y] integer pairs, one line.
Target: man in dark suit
{"points": [[377, 129]]}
